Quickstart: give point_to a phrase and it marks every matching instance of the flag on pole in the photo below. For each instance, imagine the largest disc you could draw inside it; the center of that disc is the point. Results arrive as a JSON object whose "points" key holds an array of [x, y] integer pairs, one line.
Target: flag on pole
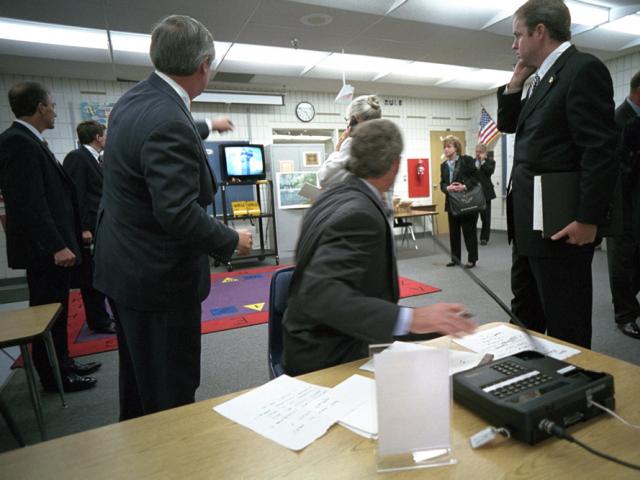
{"points": [[488, 128]]}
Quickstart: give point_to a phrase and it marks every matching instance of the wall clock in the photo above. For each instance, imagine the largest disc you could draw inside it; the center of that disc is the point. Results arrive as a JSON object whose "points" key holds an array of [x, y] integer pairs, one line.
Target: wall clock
{"points": [[305, 111]]}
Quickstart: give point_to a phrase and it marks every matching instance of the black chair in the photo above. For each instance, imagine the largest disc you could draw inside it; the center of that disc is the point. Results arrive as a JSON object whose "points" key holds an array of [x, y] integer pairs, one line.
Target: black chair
{"points": [[407, 229], [278, 298]]}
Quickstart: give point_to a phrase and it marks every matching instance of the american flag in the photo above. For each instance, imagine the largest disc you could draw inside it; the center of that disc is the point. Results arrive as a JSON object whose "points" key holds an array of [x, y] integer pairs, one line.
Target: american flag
{"points": [[488, 128]]}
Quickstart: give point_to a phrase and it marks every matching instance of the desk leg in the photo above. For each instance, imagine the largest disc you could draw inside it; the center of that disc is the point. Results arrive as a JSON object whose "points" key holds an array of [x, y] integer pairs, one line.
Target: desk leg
{"points": [[53, 360], [33, 388]]}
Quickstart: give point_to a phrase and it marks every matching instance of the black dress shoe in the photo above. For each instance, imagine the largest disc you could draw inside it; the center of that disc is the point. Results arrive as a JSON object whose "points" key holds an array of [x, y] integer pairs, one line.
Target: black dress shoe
{"points": [[71, 383], [483, 242], [107, 328], [451, 264], [82, 368], [470, 265], [630, 329]]}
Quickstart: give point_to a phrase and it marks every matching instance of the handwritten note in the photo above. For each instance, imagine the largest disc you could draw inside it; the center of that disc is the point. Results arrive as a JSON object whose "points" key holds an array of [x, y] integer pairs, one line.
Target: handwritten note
{"points": [[502, 341], [279, 410]]}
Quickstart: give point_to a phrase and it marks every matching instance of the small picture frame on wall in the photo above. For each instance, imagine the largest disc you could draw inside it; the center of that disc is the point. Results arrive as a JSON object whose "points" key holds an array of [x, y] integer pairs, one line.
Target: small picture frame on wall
{"points": [[311, 159]]}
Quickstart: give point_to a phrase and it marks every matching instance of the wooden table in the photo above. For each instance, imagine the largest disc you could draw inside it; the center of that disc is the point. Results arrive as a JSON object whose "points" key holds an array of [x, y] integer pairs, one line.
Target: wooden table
{"points": [[22, 327], [424, 213], [193, 442]]}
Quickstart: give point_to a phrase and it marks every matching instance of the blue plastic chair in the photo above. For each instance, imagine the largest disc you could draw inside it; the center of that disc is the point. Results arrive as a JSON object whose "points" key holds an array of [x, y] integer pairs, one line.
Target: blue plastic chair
{"points": [[278, 298]]}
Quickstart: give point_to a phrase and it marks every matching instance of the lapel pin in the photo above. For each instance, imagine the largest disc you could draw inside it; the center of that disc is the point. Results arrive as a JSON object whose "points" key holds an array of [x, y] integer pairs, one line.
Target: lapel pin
{"points": [[550, 79]]}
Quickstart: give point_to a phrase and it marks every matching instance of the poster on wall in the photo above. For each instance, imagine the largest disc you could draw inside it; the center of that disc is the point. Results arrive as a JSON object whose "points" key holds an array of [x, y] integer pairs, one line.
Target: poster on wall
{"points": [[311, 159], [96, 111], [289, 185]]}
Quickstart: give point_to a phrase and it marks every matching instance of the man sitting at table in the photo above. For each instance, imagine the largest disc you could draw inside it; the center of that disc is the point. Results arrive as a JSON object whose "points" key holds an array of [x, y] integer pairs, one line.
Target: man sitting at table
{"points": [[344, 291]]}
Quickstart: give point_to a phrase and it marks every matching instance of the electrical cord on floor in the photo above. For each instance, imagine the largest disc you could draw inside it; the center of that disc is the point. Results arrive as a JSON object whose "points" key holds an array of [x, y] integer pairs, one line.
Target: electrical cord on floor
{"points": [[613, 414], [557, 431], [7, 354]]}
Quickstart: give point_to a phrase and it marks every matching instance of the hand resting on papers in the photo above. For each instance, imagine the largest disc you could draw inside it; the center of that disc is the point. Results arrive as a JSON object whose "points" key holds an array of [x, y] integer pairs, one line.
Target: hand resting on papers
{"points": [[446, 318]]}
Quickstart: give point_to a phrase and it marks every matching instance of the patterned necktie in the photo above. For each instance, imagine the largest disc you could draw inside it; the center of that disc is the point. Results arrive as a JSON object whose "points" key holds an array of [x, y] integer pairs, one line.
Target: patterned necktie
{"points": [[100, 160], [533, 84]]}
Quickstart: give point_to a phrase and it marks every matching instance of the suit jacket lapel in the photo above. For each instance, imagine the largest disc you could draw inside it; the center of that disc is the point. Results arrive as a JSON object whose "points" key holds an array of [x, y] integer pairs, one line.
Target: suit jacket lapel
{"points": [[92, 161], [546, 84]]}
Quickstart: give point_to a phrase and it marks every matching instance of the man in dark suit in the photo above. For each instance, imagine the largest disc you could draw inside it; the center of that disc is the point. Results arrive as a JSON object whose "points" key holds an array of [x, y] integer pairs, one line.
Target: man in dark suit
{"points": [[623, 252], [42, 225], [344, 291], [565, 124], [153, 232], [486, 165], [84, 166]]}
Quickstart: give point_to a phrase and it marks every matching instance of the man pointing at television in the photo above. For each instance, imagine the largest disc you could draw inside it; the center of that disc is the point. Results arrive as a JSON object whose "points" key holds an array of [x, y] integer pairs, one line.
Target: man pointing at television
{"points": [[153, 233]]}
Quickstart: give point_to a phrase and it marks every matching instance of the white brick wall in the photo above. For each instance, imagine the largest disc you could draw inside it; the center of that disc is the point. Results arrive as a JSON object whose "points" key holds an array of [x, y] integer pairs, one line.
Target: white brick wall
{"points": [[415, 117]]}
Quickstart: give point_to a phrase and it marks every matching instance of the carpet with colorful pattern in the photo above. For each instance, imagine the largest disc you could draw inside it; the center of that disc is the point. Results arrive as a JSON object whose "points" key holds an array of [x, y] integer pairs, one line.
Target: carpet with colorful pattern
{"points": [[237, 299]]}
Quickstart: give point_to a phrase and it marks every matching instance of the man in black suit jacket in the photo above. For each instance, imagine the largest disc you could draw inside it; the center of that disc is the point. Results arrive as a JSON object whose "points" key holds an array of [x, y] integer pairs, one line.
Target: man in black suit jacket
{"points": [[486, 165], [84, 166], [623, 252], [565, 124], [344, 291], [42, 224], [153, 232]]}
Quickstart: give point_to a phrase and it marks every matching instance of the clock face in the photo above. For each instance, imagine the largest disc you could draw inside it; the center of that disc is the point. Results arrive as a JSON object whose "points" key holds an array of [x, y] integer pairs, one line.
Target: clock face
{"points": [[305, 111]]}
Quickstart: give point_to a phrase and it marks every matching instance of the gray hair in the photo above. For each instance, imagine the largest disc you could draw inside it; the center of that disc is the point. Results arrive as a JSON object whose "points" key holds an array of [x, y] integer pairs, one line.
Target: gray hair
{"points": [[179, 44], [364, 107], [375, 145]]}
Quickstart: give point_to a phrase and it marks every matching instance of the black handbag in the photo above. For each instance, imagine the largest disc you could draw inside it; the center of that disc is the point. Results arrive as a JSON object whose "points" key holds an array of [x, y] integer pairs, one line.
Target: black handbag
{"points": [[467, 202]]}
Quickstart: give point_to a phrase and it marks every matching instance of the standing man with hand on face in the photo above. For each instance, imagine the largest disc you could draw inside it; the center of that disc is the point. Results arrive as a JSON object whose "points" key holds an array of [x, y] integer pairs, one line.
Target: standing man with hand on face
{"points": [[43, 227], [486, 166], [565, 124], [153, 232], [84, 166]]}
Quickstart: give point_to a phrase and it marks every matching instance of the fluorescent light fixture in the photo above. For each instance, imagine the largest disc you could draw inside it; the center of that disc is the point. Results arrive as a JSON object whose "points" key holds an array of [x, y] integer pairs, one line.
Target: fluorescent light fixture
{"points": [[434, 70], [246, 98], [130, 42], [302, 138], [361, 63], [587, 14], [494, 77], [629, 24], [64, 35], [258, 54]]}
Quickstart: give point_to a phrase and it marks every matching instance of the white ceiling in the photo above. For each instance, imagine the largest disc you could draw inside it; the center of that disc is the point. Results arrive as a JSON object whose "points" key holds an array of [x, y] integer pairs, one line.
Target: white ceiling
{"points": [[471, 33]]}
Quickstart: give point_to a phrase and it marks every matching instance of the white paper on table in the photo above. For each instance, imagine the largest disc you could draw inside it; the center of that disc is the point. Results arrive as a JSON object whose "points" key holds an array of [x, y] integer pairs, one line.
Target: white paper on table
{"points": [[363, 420], [502, 341], [278, 410], [458, 360], [343, 398]]}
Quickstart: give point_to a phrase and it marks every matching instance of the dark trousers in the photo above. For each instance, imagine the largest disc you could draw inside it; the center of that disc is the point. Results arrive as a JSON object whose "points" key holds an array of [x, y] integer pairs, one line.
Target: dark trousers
{"points": [[94, 301], [485, 219], [554, 295], [50, 284], [623, 257], [466, 223], [159, 357]]}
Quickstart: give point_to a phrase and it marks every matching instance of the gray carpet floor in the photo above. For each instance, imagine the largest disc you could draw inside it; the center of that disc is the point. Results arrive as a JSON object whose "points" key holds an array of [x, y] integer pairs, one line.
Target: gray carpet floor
{"points": [[237, 359]]}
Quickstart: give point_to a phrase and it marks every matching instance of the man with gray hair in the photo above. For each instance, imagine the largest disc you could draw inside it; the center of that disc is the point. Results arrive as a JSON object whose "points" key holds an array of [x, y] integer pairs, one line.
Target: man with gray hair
{"points": [[153, 232], [344, 291]]}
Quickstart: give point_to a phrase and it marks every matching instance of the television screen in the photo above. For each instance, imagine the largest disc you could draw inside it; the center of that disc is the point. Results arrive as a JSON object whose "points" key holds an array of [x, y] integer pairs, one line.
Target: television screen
{"points": [[242, 163]]}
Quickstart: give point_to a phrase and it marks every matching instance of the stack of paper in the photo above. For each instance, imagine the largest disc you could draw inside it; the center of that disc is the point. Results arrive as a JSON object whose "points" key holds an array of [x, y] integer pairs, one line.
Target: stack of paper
{"points": [[458, 360]]}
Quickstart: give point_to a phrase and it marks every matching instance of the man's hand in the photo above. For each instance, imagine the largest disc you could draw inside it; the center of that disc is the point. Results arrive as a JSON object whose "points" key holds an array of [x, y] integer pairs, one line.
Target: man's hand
{"points": [[87, 237], [64, 258], [222, 124], [445, 318], [520, 73], [577, 233], [245, 240]]}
